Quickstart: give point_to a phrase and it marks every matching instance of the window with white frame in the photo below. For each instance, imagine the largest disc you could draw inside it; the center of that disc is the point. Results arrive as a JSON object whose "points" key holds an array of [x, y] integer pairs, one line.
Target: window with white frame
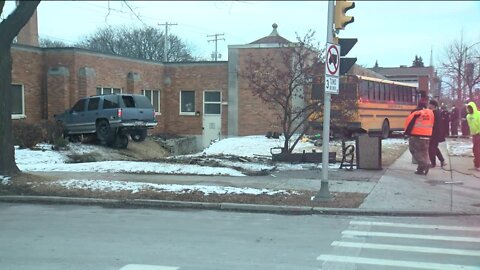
{"points": [[187, 102], [154, 97], [18, 101], [212, 102], [108, 90]]}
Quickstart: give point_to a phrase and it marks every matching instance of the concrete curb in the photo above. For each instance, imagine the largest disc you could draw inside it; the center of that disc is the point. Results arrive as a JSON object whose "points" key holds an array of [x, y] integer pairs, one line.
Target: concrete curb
{"points": [[256, 208]]}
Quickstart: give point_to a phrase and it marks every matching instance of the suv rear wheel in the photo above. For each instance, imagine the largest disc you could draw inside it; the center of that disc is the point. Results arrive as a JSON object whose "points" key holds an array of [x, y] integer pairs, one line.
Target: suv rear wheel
{"points": [[120, 141], [138, 135]]}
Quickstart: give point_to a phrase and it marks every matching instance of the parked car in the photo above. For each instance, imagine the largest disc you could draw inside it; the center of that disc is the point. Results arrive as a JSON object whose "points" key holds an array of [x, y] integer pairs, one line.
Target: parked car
{"points": [[112, 118]]}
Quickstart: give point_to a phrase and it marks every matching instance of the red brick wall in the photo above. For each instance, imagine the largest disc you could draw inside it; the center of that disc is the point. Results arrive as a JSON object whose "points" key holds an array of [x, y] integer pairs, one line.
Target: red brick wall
{"points": [[255, 117], [58, 92], [193, 77], [27, 69]]}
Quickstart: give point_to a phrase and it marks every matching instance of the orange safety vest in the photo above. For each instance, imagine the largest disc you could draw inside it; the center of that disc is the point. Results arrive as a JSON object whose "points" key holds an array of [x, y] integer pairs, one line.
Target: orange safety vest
{"points": [[424, 124]]}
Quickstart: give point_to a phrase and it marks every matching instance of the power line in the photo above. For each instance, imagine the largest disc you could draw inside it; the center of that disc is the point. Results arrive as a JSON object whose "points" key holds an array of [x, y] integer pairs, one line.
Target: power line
{"points": [[216, 39], [125, 2]]}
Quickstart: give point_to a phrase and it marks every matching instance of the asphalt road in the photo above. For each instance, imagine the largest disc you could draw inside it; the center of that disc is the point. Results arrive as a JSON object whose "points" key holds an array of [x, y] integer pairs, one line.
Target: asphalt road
{"points": [[81, 237]]}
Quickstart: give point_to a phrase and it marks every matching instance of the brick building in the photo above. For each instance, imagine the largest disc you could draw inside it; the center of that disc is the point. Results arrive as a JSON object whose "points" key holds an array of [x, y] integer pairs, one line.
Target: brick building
{"points": [[424, 78], [205, 99]]}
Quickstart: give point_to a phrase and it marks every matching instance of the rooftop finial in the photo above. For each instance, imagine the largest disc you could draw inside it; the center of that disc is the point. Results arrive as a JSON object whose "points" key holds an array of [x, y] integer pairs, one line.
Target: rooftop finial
{"points": [[274, 31]]}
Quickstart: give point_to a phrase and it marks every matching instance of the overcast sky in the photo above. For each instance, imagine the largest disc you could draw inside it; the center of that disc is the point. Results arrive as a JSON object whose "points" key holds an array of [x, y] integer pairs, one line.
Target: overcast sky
{"points": [[392, 32]]}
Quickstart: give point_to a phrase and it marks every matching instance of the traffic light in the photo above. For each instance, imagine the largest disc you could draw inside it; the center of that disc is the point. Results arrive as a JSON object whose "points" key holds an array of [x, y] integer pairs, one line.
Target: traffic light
{"points": [[346, 44], [341, 7]]}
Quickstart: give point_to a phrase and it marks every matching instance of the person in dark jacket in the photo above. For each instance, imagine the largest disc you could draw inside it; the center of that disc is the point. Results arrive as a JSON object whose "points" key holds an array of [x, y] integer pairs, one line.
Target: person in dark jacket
{"points": [[438, 135], [445, 116], [465, 128], [454, 118]]}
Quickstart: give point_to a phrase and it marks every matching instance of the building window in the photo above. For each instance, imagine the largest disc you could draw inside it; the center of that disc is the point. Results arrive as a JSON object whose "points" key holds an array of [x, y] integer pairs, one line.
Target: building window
{"points": [[154, 97], [212, 102], [187, 102], [18, 101], [108, 90]]}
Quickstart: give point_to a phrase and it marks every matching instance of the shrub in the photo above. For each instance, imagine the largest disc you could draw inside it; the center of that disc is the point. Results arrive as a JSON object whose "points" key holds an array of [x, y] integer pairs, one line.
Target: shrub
{"points": [[26, 135], [53, 133]]}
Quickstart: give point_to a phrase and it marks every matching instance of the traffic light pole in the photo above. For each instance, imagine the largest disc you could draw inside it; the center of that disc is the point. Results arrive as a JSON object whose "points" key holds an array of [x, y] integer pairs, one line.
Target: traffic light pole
{"points": [[324, 193]]}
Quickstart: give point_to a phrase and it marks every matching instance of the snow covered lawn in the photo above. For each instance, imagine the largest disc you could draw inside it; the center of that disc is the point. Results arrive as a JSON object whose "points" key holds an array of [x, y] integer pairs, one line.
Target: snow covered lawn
{"points": [[45, 159]]}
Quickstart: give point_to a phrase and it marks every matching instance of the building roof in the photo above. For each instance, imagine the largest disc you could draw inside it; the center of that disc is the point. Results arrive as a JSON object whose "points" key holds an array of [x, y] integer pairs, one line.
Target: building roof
{"points": [[273, 38], [404, 71], [359, 70]]}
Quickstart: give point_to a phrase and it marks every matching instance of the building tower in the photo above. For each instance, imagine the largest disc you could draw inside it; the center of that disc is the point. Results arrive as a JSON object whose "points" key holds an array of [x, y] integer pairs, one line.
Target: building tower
{"points": [[29, 33]]}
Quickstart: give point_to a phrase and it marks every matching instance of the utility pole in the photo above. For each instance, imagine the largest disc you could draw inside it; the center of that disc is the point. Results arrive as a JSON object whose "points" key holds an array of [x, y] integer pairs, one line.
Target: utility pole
{"points": [[216, 39], [324, 193], [165, 42]]}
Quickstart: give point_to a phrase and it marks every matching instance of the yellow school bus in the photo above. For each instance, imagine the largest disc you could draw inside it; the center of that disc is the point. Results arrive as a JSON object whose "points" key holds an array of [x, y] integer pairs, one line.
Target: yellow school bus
{"points": [[381, 105]]}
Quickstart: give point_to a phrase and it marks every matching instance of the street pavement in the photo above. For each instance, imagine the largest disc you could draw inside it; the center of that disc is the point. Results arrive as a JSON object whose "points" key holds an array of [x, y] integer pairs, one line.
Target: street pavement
{"points": [[75, 237], [454, 189]]}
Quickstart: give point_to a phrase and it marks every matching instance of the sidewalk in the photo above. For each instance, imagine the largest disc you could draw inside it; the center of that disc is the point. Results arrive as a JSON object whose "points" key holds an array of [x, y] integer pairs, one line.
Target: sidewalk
{"points": [[454, 188]]}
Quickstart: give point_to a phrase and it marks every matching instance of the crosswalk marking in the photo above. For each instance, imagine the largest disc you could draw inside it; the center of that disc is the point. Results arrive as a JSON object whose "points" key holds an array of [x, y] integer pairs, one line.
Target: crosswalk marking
{"points": [[147, 267], [464, 252], [415, 226], [412, 236], [397, 263]]}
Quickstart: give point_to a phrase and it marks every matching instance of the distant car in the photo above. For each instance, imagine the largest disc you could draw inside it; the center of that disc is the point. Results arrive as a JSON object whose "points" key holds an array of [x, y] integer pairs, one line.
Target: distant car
{"points": [[111, 117]]}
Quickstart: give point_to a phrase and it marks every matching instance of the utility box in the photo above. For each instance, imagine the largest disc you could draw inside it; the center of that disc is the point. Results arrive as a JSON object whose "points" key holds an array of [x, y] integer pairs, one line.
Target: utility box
{"points": [[369, 152]]}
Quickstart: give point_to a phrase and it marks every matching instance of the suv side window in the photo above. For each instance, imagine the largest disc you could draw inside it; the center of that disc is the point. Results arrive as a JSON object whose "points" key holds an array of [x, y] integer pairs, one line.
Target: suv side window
{"points": [[79, 106], [128, 101], [110, 102], [93, 104]]}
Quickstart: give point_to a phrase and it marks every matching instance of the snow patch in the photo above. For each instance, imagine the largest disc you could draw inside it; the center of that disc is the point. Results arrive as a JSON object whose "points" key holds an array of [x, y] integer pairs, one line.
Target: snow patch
{"points": [[135, 187], [5, 180]]}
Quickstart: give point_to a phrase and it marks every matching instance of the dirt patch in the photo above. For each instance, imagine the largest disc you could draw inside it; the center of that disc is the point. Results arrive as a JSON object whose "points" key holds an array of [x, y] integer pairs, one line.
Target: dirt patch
{"points": [[136, 151]]}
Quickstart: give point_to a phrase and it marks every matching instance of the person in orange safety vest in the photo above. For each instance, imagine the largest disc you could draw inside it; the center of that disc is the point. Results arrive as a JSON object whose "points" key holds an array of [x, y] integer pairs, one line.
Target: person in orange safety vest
{"points": [[418, 127]]}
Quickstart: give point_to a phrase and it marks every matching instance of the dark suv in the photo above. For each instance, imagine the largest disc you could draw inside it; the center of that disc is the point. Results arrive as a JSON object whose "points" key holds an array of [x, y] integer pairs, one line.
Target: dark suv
{"points": [[111, 117]]}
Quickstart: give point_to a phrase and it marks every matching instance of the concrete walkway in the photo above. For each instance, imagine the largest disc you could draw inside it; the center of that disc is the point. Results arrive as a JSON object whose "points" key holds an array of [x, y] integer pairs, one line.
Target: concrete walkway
{"points": [[455, 188]]}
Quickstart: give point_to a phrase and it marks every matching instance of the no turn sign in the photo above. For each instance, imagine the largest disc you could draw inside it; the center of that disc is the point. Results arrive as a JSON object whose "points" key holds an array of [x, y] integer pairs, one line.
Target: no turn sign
{"points": [[332, 68]]}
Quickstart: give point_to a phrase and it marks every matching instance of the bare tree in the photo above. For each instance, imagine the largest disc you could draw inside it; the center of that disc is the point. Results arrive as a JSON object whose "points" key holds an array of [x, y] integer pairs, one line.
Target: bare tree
{"points": [[460, 69], [49, 43], [281, 79], [9, 29], [142, 43]]}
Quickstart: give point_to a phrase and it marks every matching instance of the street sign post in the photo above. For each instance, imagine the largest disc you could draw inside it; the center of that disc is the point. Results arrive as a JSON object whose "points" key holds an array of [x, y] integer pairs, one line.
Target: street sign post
{"points": [[332, 68]]}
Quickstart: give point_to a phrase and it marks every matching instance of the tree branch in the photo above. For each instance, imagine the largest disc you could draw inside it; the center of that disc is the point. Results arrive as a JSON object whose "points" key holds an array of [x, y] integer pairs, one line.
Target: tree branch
{"points": [[10, 27]]}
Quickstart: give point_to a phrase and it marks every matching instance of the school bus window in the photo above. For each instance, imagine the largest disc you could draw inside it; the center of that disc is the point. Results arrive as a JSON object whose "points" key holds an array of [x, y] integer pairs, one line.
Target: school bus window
{"points": [[371, 90], [377, 89], [382, 92], [404, 94], [363, 90], [401, 94], [387, 93]]}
